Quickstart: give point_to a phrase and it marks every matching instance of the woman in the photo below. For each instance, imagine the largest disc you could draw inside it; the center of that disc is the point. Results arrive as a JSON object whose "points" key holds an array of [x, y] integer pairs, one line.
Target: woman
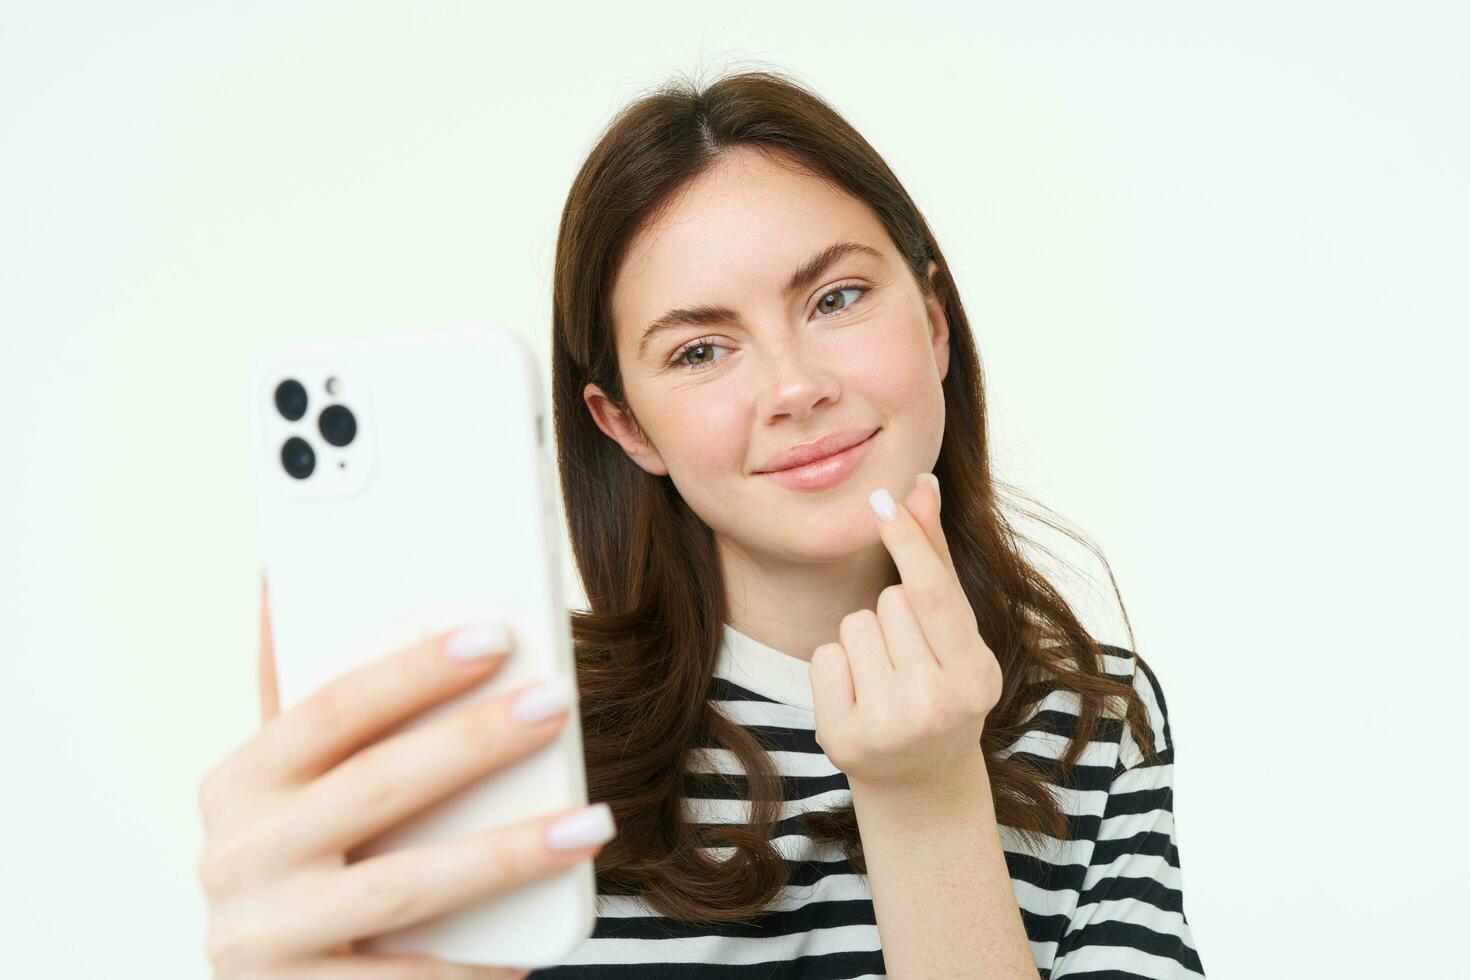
{"points": [[841, 734], [738, 273]]}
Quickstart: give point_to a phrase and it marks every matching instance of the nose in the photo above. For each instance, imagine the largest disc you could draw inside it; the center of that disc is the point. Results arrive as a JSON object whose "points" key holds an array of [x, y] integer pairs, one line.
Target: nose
{"points": [[796, 383]]}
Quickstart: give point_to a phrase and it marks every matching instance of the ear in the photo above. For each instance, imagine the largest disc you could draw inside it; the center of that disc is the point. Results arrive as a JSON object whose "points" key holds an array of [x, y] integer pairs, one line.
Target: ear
{"points": [[618, 426], [938, 323]]}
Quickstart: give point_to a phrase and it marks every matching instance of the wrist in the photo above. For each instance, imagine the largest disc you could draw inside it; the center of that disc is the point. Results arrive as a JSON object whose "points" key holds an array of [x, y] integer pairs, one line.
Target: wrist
{"points": [[959, 788]]}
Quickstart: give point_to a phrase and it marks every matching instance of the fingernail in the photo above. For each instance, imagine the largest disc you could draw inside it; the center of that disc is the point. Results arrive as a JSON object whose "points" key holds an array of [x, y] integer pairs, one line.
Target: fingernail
{"points": [[548, 698], [479, 640], [590, 825], [882, 504], [930, 479]]}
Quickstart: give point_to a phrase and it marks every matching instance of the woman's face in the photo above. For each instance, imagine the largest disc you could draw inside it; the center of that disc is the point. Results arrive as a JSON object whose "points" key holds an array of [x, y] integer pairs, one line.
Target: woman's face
{"points": [[762, 367]]}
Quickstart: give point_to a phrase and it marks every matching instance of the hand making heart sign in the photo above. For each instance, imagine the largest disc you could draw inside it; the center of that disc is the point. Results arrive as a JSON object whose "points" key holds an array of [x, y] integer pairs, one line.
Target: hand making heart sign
{"points": [[901, 698]]}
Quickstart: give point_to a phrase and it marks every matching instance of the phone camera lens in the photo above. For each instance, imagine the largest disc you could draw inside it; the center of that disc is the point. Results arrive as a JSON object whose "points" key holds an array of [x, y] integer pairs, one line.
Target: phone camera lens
{"points": [[338, 425], [298, 458], [291, 399]]}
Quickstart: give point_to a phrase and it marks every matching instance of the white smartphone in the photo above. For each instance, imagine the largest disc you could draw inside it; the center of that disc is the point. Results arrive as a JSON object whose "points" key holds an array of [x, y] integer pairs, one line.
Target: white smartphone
{"points": [[405, 487]]}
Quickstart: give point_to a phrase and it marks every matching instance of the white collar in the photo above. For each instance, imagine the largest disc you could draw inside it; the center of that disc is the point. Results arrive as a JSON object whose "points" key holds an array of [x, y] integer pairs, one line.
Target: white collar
{"points": [[764, 670]]}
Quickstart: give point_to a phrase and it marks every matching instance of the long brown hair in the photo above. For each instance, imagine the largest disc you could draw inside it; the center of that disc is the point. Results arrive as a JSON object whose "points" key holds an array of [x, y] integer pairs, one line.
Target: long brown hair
{"points": [[647, 648]]}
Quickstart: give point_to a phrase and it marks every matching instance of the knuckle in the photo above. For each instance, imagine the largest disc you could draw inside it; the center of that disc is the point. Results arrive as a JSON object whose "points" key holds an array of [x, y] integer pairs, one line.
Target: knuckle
{"points": [[892, 595], [856, 622], [375, 784], [209, 872], [819, 664], [825, 653], [226, 946], [218, 868], [211, 793], [224, 792], [334, 707], [987, 685], [830, 738], [484, 730], [853, 752], [506, 864], [382, 905], [326, 711]]}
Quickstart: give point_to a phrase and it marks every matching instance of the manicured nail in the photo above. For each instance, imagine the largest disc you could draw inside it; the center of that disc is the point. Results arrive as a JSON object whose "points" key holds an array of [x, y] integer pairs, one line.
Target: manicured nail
{"points": [[882, 503], [550, 697], [479, 640], [590, 825], [930, 479]]}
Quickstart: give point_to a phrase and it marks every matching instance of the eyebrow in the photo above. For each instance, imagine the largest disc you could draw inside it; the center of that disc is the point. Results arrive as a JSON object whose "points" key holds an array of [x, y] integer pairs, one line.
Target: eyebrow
{"points": [[805, 274]]}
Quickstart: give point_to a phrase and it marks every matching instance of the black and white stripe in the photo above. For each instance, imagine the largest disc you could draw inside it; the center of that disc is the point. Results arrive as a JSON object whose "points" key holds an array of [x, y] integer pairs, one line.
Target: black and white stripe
{"points": [[1105, 903]]}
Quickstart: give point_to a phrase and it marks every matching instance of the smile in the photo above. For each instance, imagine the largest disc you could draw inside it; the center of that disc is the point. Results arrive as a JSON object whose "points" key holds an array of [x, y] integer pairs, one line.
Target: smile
{"points": [[825, 472]]}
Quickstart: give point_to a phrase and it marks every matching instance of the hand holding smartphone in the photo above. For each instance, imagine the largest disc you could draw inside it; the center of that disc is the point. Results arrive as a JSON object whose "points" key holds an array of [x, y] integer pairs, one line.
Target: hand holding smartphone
{"points": [[405, 495]]}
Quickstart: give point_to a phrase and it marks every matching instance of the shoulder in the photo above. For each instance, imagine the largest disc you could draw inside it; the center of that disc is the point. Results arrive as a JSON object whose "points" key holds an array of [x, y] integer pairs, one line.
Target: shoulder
{"points": [[1062, 693], [1140, 675]]}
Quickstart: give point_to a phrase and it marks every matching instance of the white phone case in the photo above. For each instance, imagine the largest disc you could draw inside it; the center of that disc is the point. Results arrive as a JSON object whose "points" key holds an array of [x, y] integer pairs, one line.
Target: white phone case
{"points": [[439, 511]]}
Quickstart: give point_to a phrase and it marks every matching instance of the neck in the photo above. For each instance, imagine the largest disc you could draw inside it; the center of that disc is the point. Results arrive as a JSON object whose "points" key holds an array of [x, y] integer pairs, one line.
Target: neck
{"points": [[795, 607]]}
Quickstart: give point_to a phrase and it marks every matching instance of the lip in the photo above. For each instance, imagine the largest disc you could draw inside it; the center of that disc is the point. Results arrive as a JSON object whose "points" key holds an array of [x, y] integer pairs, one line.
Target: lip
{"points": [[817, 449], [827, 471]]}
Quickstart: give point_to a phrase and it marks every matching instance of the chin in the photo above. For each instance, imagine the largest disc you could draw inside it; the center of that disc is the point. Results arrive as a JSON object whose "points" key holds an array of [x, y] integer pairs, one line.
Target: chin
{"points": [[849, 529]]}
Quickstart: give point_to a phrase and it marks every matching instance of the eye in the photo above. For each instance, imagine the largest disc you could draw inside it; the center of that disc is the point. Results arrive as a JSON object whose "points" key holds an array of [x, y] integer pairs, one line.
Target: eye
{"points": [[708, 343], [703, 343], [847, 287]]}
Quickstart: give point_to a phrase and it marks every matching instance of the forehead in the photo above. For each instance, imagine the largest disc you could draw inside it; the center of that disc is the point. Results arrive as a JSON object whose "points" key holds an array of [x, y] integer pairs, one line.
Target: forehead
{"points": [[738, 230]]}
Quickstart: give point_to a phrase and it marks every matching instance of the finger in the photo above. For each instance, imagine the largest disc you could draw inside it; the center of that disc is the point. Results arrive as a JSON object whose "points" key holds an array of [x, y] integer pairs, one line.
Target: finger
{"points": [[360, 966], [926, 508], [402, 887], [347, 712], [933, 592], [831, 679], [393, 779], [867, 655], [270, 702], [908, 648]]}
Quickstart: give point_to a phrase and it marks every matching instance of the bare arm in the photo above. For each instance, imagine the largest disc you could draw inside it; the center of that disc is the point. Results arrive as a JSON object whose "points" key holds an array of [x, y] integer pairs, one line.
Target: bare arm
{"points": [[941, 889]]}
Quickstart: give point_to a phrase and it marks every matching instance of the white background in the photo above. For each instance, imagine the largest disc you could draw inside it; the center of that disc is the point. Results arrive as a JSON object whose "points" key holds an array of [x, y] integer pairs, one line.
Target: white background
{"points": [[1214, 258]]}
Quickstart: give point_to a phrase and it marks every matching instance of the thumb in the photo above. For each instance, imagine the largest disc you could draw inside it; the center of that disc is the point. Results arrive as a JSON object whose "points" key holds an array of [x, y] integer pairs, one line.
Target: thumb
{"points": [[270, 704]]}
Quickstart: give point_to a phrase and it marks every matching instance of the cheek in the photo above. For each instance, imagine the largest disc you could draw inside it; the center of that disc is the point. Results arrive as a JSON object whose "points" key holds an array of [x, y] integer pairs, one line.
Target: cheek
{"points": [[894, 368], [706, 436], [897, 375]]}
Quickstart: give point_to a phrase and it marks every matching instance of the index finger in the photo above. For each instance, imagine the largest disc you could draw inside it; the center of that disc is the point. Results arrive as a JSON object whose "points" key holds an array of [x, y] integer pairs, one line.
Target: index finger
{"points": [[940, 605], [352, 709]]}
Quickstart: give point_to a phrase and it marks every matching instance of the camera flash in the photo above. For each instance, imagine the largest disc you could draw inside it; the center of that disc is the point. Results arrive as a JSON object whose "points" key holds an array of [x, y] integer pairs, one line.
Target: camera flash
{"points": [[334, 385]]}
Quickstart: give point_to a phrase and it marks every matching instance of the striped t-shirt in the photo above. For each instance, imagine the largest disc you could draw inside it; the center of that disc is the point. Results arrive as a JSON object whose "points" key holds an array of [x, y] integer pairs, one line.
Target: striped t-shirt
{"points": [[1106, 903]]}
